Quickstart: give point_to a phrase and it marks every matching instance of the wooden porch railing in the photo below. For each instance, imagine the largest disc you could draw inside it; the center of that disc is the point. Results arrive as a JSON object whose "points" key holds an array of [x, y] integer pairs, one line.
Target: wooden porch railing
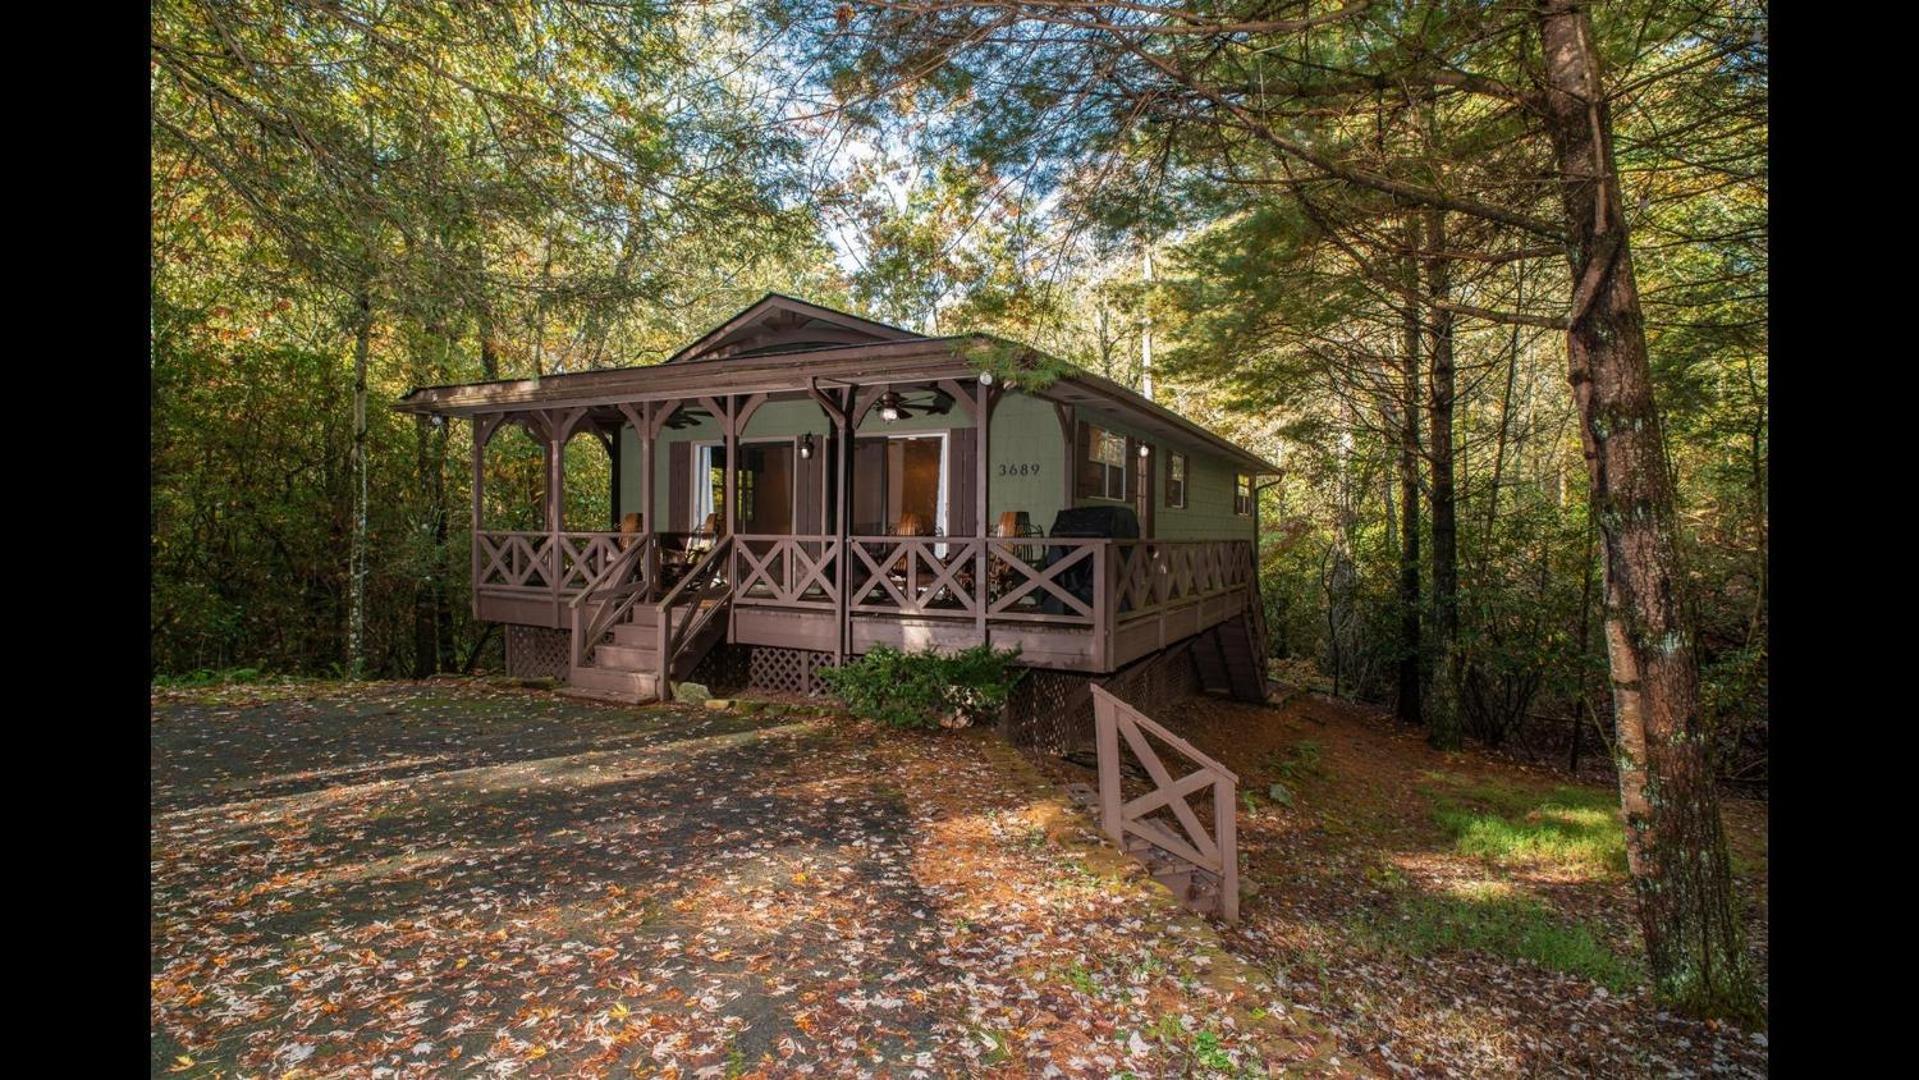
{"points": [[1214, 850], [704, 593], [799, 571], [542, 563], [1153, 574], [1103, 587], [610, 595], [914, 575]]}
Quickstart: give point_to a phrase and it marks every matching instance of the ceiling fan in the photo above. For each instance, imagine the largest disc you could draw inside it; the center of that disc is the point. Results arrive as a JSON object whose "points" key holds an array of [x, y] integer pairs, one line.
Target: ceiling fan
{"points": [[894, 405], [685, 418]]}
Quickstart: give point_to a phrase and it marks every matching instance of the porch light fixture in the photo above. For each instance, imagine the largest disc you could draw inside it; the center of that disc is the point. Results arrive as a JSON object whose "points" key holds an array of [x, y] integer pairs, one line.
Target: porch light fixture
{"points": [[889, 406], [1145, 450], [806, 447], [986, 378]]}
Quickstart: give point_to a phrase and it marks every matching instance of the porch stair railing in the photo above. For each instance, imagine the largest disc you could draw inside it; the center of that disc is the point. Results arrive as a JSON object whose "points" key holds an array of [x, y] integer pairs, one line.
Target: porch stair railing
{"points": [[1199, 864], [609, 597], [704, 594]]}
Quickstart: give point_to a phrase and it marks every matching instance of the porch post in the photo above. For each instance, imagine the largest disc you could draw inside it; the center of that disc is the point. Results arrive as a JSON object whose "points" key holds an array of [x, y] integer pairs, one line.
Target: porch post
{"points": [[983, 397], [846, 419], [482, 434], [836, 410], [732, 435], [613, 470], [641, 420], [648, 522], [555, 473]]}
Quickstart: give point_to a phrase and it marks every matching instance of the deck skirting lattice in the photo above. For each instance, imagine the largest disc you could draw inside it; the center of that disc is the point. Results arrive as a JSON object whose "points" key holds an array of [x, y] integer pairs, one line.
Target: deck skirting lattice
{"points": [[787, 671], [1051, 712], [537, 652]]}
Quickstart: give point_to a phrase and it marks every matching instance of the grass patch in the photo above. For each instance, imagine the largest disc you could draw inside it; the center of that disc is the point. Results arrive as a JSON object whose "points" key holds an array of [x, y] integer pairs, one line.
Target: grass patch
{"points": [[1577, 828], [1495, 920]]}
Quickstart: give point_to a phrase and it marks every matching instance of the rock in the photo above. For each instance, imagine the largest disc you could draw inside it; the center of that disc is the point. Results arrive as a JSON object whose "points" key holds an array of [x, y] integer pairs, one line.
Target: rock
{"points": [[719, 704], [691, 693], [1248, 889]]}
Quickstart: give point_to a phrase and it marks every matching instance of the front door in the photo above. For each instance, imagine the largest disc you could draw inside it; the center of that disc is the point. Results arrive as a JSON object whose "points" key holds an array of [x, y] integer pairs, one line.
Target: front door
{"points": [[899, 479], [765, 481]]}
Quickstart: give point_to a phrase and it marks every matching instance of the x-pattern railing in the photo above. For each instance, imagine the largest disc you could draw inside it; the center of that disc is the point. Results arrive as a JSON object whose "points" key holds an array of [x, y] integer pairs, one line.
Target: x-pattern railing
{"points": [[795, 571], [1154, 574], [1017, 580], [915, 575], [1214, 850], [552, 563]]}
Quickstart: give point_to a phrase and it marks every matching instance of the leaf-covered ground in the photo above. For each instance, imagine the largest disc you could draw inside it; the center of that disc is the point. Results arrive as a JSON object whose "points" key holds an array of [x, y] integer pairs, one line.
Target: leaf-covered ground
{"points": [[1452, 914], [447, 878]]}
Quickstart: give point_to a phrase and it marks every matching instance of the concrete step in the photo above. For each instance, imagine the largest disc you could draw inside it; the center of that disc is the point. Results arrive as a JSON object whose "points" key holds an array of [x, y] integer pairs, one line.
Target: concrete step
{"points": [[628, 686]]}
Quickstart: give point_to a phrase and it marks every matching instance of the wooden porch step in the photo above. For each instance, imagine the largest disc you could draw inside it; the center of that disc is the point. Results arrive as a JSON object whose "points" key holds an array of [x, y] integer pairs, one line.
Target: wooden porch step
{"points": [[627, 657], [1211, 663], [636, 634], [629, 686]]}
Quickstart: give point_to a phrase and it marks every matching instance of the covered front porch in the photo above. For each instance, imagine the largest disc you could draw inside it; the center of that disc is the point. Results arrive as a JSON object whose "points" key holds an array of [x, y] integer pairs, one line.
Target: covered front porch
{"points": [[953, 564]]}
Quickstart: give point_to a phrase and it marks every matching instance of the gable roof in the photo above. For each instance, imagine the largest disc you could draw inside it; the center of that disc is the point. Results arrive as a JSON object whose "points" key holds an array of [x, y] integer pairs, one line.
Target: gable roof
{"points": [[777, 323]]}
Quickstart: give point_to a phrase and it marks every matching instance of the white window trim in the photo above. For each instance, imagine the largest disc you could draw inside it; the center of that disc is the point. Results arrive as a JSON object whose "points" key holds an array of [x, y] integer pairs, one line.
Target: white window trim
{"points": [[1125, 467]]}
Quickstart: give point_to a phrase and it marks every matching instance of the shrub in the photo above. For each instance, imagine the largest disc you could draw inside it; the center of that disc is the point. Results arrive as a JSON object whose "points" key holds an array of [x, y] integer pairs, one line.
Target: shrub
{"points": [[926, 689]]}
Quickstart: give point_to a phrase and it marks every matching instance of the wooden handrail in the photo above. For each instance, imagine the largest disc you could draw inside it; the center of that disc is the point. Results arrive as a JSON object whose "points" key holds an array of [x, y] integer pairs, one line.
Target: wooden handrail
{"points": [[693, 589], [1215, 851], [614, 594]]}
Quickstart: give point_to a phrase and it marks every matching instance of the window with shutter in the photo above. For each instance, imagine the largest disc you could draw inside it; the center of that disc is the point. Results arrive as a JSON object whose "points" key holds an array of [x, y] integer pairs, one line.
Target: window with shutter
{"points": [[1176, 481], [1106, 463]]}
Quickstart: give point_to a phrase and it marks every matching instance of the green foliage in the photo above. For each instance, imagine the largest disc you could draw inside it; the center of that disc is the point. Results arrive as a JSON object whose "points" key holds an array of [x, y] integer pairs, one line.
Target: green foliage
{"points": [[1573, 828], [926, 689], [1298, 761], [1495, 920], [206, 677]]}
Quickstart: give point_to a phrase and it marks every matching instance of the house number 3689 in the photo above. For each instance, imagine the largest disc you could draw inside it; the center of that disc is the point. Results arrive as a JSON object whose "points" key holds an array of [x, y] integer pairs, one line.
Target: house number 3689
{"points": [[1031, 469]]}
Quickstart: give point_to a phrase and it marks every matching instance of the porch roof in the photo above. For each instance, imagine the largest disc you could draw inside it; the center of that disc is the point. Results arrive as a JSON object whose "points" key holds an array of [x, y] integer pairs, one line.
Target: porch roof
{"points": [[864, 364]]}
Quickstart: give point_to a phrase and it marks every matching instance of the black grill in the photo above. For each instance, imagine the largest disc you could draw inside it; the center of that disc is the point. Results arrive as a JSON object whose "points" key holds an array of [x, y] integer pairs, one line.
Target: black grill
{"points": [[1085, 522]]}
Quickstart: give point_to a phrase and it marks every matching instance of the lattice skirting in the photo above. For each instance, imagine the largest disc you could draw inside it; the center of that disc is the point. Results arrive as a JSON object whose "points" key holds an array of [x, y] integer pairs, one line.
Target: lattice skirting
{"points": [[1051, 712], [787, 671], [1157, 681], [537, 652]]}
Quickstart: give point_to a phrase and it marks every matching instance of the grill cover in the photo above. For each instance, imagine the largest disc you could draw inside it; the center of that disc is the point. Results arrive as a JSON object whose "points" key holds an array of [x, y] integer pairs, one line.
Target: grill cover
{"points": [[1111, 522], [1085, 522]]}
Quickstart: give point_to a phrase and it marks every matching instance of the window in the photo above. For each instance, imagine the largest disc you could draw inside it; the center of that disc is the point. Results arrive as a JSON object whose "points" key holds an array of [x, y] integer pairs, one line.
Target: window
{"points": [[1107, 451], [1243, 495], [1176, 481]]}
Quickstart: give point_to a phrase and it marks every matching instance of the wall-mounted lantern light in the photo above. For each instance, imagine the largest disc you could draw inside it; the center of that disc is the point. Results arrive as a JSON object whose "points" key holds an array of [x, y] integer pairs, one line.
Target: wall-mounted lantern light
{"points": [[1145, 450], [806, 447]]}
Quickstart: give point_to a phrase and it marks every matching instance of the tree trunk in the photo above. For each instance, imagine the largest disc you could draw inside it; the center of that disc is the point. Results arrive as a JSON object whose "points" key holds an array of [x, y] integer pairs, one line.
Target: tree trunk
{"points": [[1675, 840], [1408, 708], [1442, 707], [356, 552]]}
